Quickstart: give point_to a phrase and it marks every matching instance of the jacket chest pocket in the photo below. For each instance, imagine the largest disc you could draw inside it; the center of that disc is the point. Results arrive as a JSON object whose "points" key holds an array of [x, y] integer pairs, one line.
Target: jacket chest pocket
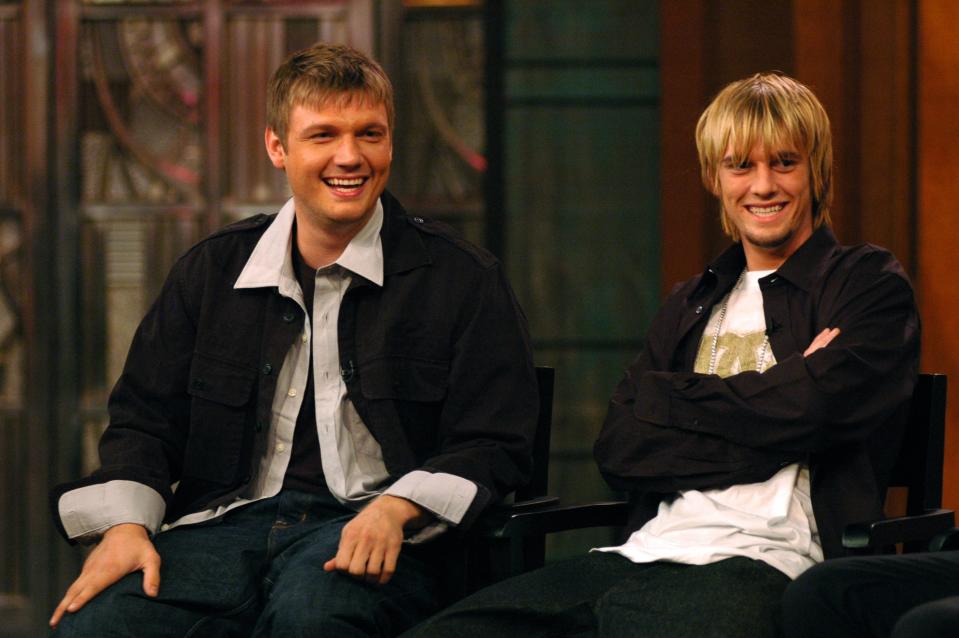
{"points": [[407, 394], [220, 406], [405, 379]]}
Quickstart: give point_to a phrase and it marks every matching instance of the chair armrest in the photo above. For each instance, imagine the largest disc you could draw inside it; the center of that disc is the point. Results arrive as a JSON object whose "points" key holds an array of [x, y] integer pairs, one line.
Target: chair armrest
{"points": [[550, 518], [945, 541], [879, 534]]}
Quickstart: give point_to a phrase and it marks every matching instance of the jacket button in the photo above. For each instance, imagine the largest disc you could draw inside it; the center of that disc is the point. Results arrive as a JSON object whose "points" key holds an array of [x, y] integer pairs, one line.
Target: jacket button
{"points": [[699, 310], [418, 220], [267, 369], [259, 426], [288, 317]]}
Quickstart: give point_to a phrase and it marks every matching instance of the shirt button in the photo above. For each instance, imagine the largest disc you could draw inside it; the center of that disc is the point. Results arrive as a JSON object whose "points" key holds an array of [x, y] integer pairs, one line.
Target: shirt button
{"points": [[304, 338], [280, 447], [267, 368], [292, 392]]}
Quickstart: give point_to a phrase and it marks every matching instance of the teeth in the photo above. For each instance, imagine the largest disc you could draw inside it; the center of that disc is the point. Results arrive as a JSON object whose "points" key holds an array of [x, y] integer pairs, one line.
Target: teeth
{"points": [[347, 183], [765, 210]]}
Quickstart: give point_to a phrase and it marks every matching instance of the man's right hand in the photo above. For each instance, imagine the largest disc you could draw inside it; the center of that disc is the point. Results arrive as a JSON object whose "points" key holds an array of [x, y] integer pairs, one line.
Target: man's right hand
{"points": [[124, 549], [821, 341]]}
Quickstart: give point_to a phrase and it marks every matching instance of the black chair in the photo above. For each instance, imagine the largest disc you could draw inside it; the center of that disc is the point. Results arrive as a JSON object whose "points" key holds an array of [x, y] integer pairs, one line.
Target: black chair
{"points": [[479, 557], [516, 537], [918, 469]]}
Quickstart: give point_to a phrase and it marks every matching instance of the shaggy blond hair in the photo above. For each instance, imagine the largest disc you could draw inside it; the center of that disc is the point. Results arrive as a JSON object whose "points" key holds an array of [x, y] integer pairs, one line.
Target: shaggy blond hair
{"points": [[324, 74], [778, 112]]}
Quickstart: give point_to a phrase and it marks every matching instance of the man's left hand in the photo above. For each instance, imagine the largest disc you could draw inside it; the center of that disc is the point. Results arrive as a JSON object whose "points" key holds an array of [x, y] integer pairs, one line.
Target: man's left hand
{"points": [[370, 543]]}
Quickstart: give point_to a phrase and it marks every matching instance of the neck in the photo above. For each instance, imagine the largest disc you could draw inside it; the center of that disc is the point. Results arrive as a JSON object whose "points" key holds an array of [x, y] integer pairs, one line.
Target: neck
{"points": [[762, 259], [321, 246]]}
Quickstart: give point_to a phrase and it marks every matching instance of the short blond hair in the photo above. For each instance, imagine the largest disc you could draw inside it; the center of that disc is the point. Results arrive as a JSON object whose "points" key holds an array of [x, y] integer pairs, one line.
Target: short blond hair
{"points": [[321, 74], [778, 112]]}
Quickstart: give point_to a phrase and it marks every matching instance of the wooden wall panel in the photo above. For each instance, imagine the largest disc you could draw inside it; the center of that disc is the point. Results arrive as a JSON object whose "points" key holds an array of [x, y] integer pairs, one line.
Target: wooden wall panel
{"points": [[937, 223], [688, 211]]}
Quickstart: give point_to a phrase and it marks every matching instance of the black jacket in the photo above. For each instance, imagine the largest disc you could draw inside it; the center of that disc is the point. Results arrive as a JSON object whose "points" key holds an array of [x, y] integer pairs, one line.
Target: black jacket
{"points": [[841, 409], [437, 363]]}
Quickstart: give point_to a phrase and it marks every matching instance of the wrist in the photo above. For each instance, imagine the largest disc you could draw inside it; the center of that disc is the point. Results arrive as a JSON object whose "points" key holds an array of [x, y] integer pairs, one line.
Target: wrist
{"points": [[126, 529], [404, 511]]}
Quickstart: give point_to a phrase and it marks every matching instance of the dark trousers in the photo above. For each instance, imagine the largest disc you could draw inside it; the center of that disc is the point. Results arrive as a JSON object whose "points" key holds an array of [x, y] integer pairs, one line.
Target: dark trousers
{"points": [[606, 595], [909, 596], [258, 571]]}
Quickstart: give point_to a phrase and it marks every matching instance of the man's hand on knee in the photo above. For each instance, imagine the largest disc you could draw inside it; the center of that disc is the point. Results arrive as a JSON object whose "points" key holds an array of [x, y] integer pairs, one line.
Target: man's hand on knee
{"points": [[123, 549], [370, 543]]}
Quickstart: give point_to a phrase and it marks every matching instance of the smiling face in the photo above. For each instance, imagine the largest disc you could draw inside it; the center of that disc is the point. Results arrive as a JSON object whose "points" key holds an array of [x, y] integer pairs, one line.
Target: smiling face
{"points": [[767, 197], [337, 160]]}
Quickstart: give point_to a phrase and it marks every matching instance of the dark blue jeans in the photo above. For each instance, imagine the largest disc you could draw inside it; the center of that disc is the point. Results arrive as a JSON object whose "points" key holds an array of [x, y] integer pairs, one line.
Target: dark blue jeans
{"points": [[258, 571]]}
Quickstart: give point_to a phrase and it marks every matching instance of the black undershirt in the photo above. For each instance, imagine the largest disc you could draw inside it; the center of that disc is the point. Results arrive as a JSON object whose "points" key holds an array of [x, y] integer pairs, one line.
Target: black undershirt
{"points": [[305, 471]]}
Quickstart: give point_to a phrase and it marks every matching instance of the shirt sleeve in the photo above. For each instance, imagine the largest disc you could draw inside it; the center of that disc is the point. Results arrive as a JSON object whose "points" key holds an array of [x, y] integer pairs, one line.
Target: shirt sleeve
{"points": [[836, 395], [667, 430], [446, 496], [488, 418], [87, 512]]}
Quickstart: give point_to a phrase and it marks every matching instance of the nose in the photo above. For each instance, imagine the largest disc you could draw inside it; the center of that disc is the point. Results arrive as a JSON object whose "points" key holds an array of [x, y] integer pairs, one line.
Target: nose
{"points": [[348, 152], [764, 181]]}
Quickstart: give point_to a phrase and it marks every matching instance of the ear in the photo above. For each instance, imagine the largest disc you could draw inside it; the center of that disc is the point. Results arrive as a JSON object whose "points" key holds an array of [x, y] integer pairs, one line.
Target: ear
{"points": [[715, 187], [274, 148]]}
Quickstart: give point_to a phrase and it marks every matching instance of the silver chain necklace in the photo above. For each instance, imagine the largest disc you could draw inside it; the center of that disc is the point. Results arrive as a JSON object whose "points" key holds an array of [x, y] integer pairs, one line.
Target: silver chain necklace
{"points": [[761, 364]]}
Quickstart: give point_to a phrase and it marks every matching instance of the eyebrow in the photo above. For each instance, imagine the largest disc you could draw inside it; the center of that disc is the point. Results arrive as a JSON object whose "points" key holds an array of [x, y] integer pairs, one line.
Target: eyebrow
{"points": [[325, 126], [789, 155]]}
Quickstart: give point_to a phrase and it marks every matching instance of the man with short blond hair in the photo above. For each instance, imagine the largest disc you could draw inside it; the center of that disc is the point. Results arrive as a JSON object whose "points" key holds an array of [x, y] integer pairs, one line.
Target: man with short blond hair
{"points": [[762, 414], [314, 396]]}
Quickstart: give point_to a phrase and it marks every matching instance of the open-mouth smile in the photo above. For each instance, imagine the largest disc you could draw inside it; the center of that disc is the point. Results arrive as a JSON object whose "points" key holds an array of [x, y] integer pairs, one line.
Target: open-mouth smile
{"points": [[345, 185], [765, 211]]}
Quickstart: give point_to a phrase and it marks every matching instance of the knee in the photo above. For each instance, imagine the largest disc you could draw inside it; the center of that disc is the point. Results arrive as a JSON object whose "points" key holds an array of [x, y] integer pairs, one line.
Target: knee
{"points": [[110, 613], [813, 603], [300, 614], [937, 619], [809, 591], [94, 619]]}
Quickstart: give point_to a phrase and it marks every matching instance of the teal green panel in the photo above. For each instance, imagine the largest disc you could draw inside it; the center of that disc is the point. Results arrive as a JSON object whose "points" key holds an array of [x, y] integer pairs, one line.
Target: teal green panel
{"points": [[585, 379], [581, 154], [583, 219], [583, 30], [639, 83]]}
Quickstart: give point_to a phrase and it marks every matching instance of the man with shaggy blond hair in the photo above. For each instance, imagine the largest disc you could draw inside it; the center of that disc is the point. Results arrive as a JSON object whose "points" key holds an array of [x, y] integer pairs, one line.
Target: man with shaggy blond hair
{"points": [[761, 416]]}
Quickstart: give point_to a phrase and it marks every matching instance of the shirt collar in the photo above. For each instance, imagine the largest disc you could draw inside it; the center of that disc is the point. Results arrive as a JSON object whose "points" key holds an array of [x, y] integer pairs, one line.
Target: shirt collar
{"points": [[271, 264], [802, 269]]}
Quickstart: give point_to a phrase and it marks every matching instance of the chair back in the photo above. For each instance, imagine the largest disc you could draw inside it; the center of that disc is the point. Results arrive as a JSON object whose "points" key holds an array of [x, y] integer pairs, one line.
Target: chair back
{"points": [[919, 465], [539, 480]]}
